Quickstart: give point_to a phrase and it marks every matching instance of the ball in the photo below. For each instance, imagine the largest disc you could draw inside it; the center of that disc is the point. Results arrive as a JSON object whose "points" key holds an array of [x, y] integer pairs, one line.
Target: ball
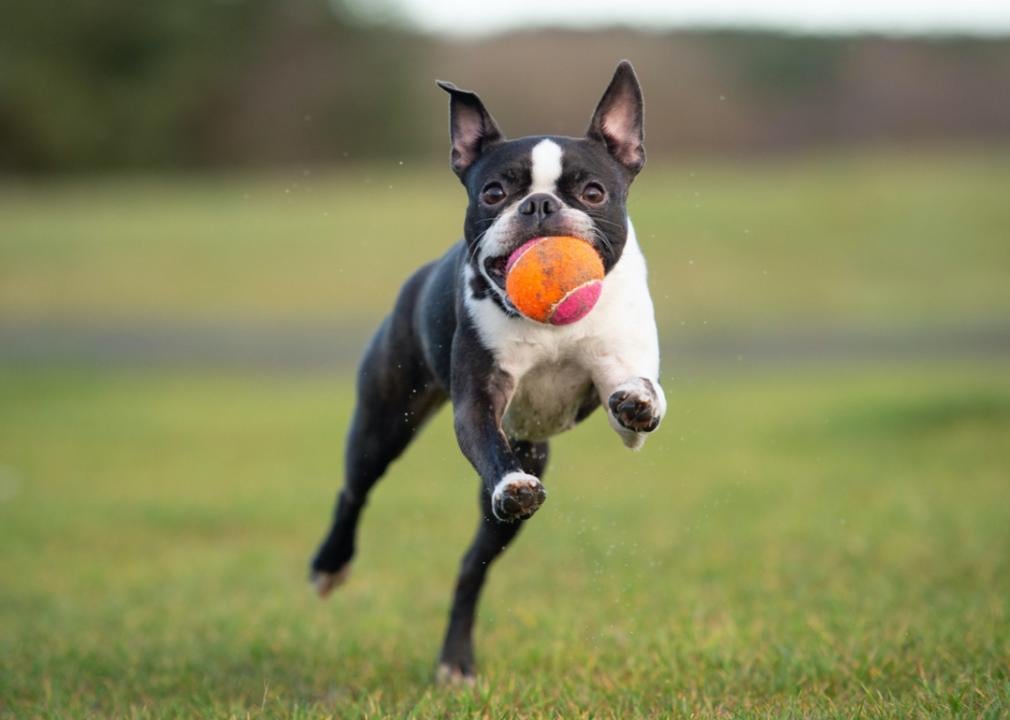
{"points": [[554, 280]]}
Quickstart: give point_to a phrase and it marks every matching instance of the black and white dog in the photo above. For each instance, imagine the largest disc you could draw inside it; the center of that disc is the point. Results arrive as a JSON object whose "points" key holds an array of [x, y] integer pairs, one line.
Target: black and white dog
{"points": [[513, 382]]}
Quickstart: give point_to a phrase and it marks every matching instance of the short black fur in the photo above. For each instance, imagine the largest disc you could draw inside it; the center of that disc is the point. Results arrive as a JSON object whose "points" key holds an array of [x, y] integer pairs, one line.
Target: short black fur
{"points": [[429, 349]]}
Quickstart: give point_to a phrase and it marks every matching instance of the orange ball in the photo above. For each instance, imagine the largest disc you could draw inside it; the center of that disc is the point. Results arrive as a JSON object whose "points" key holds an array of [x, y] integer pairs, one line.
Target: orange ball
{"points": [[554, 280]]}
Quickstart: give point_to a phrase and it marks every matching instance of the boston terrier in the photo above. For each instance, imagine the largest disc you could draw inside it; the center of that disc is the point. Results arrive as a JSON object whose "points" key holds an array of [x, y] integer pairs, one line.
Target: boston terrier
{"points": [[513, 382]]}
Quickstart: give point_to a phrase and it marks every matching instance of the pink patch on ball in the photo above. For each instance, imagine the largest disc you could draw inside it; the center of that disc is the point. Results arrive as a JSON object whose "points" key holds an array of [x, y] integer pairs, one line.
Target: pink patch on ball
{"points": [[517, 253], [576, 304]]}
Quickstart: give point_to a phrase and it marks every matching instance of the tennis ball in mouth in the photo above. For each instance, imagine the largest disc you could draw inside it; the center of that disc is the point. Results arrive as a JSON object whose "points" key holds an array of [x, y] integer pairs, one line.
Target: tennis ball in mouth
{"points": [[554, 280]]}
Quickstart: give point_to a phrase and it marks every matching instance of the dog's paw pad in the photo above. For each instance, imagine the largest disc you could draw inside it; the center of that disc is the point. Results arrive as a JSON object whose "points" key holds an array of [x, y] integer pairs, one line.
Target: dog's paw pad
{"points": [[635, 407], [325, 582], [449, 675], [518, 495]]}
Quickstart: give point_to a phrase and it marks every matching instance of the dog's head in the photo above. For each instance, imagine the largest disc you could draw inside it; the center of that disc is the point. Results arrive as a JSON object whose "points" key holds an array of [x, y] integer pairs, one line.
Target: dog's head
{"points": [[546, 185]]}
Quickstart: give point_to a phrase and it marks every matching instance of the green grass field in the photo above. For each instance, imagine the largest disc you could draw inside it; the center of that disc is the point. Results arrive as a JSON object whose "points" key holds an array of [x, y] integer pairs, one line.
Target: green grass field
{"points": [[796, 541], [784, 547], [860, 239]]}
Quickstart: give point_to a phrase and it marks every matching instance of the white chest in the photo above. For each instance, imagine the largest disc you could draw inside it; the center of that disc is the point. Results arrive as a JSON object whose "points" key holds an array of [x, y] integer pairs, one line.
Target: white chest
{"points": [[547, 401], [557, 367]]}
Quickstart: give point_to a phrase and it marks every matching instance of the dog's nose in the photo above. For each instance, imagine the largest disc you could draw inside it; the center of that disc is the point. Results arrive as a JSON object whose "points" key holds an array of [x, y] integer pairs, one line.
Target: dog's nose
{"points": [[539, 205]]}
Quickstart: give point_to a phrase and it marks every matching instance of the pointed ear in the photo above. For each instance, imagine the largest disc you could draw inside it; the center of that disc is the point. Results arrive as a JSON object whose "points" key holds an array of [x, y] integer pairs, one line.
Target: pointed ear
{"points": [[471, 127], [618, 121]]}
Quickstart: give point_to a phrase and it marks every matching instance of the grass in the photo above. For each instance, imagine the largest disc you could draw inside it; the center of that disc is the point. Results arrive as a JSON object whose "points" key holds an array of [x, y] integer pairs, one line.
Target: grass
{"points": [[865, 240], [825, 543], [814, 545]]}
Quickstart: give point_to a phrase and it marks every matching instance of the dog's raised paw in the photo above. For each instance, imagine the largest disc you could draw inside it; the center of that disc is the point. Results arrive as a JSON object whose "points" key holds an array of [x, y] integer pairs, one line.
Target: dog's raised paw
{"points": [[325, 582], [635, 406], [517, 496]]}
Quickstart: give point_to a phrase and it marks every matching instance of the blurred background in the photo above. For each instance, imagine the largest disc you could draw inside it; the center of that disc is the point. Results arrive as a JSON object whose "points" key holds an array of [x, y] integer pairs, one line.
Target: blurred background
{"points": [[207, 206], [260, 83], [187, 178]]}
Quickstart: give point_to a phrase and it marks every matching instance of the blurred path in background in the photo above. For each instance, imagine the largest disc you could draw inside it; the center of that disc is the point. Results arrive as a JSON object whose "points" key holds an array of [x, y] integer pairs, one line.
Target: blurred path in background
{"points": [[821, 260], [335, 348]]}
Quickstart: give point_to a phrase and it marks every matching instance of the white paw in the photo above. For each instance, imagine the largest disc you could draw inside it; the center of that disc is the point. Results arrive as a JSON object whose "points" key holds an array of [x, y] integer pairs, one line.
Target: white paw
{"points": [[516, 496], [635, 409], [325, 582], [450, 676]]}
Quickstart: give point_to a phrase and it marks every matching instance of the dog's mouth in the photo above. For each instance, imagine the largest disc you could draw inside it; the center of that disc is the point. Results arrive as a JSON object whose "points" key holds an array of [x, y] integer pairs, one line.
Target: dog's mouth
{"points": [[497, 267]]}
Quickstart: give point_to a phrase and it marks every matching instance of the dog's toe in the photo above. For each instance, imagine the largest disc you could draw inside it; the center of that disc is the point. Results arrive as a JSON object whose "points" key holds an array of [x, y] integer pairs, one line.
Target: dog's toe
{"points": [[324, 582]]}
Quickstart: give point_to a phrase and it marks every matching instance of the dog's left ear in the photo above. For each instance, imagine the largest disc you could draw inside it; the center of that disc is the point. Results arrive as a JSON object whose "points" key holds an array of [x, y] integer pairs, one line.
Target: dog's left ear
{"points": [[471, 127], [618, 121]]}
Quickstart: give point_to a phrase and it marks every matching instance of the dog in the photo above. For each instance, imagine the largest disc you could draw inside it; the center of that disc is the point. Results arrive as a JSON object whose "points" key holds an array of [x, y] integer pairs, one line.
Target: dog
{"points": [[513, 383]]}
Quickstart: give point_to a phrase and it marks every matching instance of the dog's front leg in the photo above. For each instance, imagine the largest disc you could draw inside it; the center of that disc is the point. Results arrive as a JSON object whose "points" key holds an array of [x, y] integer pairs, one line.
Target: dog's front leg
{"points": [[480, 393], [630, 391], [479, 401]]}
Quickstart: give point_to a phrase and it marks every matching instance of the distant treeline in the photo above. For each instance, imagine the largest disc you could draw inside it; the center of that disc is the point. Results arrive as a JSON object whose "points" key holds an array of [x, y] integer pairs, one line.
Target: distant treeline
{"points": [[102, 84]]}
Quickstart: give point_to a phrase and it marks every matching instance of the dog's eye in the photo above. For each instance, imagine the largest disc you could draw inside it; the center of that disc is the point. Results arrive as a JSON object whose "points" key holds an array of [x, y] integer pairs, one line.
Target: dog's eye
{"points": [[492, 194], [593, 194]]}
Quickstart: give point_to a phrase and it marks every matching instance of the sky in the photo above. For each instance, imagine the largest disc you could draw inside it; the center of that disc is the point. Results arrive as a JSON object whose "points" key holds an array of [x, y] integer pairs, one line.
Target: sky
{"points": [[478, 17]]}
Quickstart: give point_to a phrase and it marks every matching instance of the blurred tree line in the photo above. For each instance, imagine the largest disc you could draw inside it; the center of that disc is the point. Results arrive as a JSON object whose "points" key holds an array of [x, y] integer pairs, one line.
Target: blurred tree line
{"points": [[106, 84], [117, 83]]}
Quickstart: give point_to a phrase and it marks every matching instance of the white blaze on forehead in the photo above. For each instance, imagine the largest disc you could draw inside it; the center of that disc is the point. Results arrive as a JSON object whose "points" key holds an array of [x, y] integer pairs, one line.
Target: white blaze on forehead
{"points": [[546, 156]]}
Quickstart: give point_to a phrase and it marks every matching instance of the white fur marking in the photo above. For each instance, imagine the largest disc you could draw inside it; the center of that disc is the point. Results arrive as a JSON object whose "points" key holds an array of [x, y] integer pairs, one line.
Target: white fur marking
{"points": [[637, 386], [513, 478], [546, 156], [453, 677], [613, 344]]}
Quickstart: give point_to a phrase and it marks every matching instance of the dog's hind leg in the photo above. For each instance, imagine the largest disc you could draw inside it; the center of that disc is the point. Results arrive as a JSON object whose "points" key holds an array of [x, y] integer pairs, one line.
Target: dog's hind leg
{"points": [[456, 662], [396, 394]]}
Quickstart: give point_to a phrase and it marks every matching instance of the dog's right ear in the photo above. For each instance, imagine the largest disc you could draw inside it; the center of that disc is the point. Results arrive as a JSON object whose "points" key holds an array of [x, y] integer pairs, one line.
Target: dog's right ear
{"points": [[471, 127]]}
